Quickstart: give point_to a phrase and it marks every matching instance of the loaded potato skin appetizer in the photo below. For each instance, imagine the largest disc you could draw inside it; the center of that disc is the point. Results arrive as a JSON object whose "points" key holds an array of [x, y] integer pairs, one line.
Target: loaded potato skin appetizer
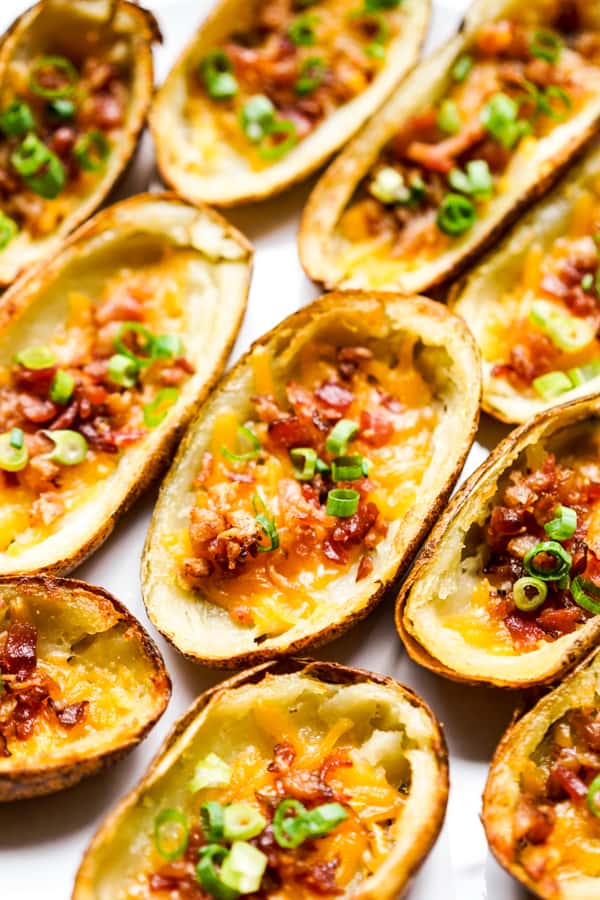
{"points": [[310, 476], [82, 683], [506, 591], [473, 134], [105, 352], [269, 89], [75, 84], [533, 303], [292, 780], [541, 803]]}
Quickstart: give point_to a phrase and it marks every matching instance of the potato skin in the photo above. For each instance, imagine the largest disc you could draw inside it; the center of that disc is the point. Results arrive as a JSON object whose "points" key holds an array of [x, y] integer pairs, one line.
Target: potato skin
{"points": [[327, 672], [235, 186], [418, 313], [146, 32], [35, 782], [570, 649], [118, 219]]}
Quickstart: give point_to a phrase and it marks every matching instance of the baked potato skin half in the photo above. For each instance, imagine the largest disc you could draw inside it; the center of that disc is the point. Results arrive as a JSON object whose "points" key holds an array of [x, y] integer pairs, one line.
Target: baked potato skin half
{"points": [[54, 28], [209, 264], [491, 297], [336, 261], [238, 175], [507, 808], [70, 613], [451, 553], [104, 871], [444, 352]]}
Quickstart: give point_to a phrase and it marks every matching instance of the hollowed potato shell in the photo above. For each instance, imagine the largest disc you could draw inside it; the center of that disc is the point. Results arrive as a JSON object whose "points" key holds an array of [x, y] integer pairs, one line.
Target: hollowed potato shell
{"points": [[503, 789], [479, 298], [446, 355], [230, 179], [528, 175], [313, 693], [132, 234], [439, 582], [94, 630], [62, 27]]}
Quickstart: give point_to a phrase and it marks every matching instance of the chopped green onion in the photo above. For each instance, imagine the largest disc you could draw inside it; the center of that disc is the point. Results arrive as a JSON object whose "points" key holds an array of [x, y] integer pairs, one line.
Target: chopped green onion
{"points": [[243, 868], [312, 75], [583, 374], [562, 561], [62, 387], [30, 156], [17, 438], [546, 45], [210, 772], [566, 332], [592, 794], [348, 468], [291, 831], [157, 411], [305, 462], [342, 503], [17, 119], [122, 370], [376, 5], [242, 822], [63, 110], [340, 436], [376, 48], [50, 181], [91, 151], [142, 337], [456, 215], [213, 819], [251, 438], [266, 522], [587, 282], [389, 186], [449, 117], [543, 100], [477, 180], [56, 65], [462, 67], [500, 116], [529, 593], [281, 823], [563, 525], [169, 346], [171, 834], [70, 447], [322, 467], [40, 169], [8, 230], [586, 594], [208, 876], [302, 30], [552, 385], [257, 117], [12, 459], [272, 147], [36, 357], [216, 72]]}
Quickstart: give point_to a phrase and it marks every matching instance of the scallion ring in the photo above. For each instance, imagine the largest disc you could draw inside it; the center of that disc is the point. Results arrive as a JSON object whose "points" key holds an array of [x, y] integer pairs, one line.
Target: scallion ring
{"points": [[17, 438], [305, 462], [61, 109], [40, 169], [169, 346], [8, 230], [242, 822], [500, 116], [12, 458], [57, 66], [552, 385], [216, 71], [244, 868], [209, 877], [586, 594], [546, 45], [312, 75], [347, 468], [256, 117], [249, 437], [17, 119], [563, 525], [461, 68], [529, 593], [70, 447], [122, 370], [266, 522], [30, 156], [171, 834], [280, 138], [342, 503], [212, 818], [38, 356], [449, 119], [456, 215], [282, 821], [562, 561], [592, 795], [157, 410], [340, 436], [91, 151], [143, 352], [302, 30], [62, 387]]}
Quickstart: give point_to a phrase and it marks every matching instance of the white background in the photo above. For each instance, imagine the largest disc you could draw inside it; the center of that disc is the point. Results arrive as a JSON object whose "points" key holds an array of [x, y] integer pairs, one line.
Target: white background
{"points": [[41, 841]]}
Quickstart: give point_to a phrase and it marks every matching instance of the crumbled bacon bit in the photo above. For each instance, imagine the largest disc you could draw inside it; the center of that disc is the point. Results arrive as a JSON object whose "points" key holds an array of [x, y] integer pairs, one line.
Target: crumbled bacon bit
{"points": [[73, 714], [533, 823], [19, 656], [374, 429], [291, 431]]}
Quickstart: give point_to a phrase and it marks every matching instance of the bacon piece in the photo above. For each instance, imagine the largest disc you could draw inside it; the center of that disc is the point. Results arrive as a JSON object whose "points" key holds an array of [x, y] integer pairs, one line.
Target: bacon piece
{"points": [[533, 823], [30, 704], [33, 381], [349, 360], [194, 570], [291, 431], [441, 157], [319, 877], [73, 714], [19, 656], [564, 781], [36, 410], [560, 621], [375, 430], [284, 755], [99, 435], [267, 408], [120, 306], [334, 395], [524, 632]]}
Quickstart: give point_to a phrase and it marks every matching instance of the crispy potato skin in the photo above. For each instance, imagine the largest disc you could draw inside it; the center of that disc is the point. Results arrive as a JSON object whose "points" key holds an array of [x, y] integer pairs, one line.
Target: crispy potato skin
{"points": [[24, 293], [147, 32], [406, 313], [339, 181], [571, 648], [231, 188], [26, 782], [502, 789], [333, 673]]}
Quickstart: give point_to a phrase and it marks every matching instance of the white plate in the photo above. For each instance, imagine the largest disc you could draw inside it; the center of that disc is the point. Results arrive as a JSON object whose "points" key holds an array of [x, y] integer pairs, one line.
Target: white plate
{"points": [[41, 841]]}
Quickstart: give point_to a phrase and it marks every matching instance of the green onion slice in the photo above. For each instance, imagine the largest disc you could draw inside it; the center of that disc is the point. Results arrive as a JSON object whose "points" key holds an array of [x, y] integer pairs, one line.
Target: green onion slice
{"points": [[561, 557], [16, 438], [143, 340], [462, 67], [245, 435], [348, 468], [586, 594], [449, 117], [312, 74], [208, 875], [305, 462], [587, 282], [122, 370], [157, 410], [592, 794], [244, 868], [500, 116], [212, 771], [529, 593], [169, 346], [477, 180], [171, 834], [291, 831], [563, 525], [281, 136], [12, 458], [17, 119], [30, 156], [543, 100], [40, 169], [242, 822], [340, 436], [566, 332], [342, 503], [552, 385], [8, 230], [281, 823], [217, 75], [546, 45], [257, 117], [91, 151], [57, 66], [266, 522], [70, 447], [583, 374], [63, 110], [62, 387], [302, 30], [456, 215], [212, 818], [36, 357]]}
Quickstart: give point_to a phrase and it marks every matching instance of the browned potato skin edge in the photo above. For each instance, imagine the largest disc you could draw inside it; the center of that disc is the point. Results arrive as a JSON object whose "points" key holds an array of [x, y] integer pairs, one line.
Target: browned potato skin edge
{"points": [[24, 784], [9, 305], [414, 649], [324, 671], [330, 633]]}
